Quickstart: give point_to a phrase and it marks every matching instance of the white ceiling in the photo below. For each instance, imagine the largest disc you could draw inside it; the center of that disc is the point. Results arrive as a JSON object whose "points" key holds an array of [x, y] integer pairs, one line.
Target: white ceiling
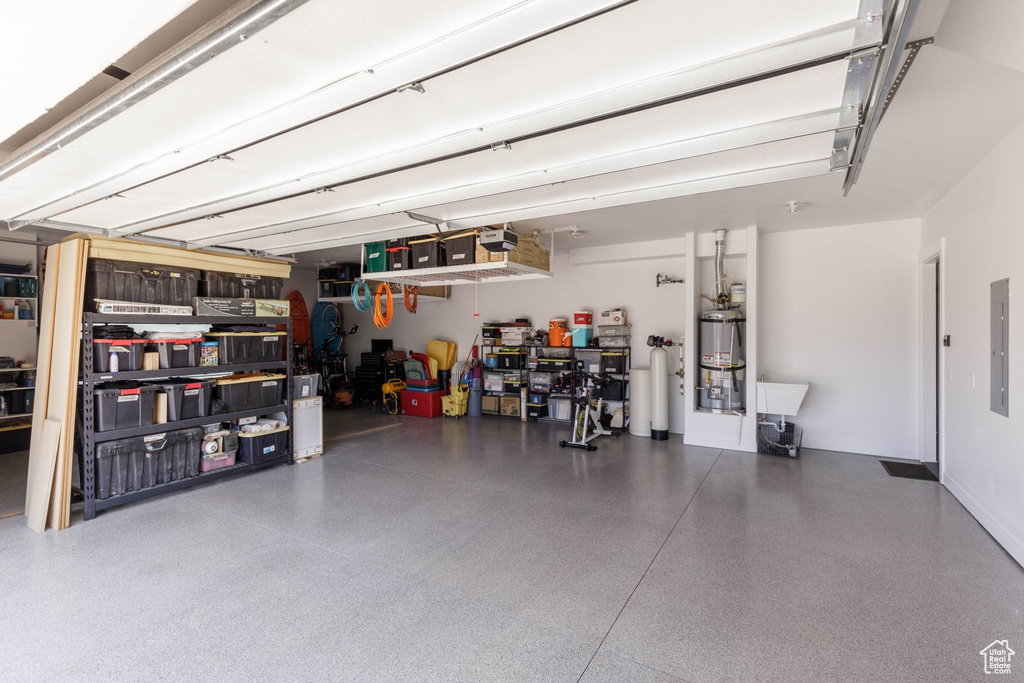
{"points": [[728, 158], [52, 47]]}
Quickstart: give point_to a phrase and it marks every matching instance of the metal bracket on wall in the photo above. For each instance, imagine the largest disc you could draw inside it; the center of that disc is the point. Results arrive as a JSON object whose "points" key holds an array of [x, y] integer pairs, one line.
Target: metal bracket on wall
{"points": [[914, 47], [667, 280]]}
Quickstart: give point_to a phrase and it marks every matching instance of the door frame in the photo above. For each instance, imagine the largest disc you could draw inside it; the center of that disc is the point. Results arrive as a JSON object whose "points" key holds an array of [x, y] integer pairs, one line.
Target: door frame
{"points": [[929, 257]]}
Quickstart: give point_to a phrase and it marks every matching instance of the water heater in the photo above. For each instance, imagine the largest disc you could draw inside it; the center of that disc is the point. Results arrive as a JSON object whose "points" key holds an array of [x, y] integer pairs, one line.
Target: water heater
{"points": [[722, 361]]}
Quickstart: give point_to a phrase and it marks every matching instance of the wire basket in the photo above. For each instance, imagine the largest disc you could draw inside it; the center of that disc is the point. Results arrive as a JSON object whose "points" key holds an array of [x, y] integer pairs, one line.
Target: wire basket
{"points": [[773, 439]]}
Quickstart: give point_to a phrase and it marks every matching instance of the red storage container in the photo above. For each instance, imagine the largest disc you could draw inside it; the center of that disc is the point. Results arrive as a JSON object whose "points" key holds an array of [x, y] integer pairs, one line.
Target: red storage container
{"points": [[422, 403]]}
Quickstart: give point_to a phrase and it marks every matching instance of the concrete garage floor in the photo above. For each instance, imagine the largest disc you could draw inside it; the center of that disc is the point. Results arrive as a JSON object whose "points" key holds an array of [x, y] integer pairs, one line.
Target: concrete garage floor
{"points": [[476, 550]]}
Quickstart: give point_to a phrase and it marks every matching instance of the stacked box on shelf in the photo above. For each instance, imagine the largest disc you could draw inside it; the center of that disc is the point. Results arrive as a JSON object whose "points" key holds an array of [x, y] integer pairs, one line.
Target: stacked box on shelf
{"points": [[259, 447], [376, 257], [247, 347], [528, 253], [515, 335], [139, 282], [136, 463], [187, 398], [460, 249], [248, 392], [239, 286], [427, 252], [123, 405]]}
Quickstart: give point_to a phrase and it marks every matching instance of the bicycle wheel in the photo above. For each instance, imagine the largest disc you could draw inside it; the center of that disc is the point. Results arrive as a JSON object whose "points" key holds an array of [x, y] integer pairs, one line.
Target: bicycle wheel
{"points": [[330, 320], [581, 423]]}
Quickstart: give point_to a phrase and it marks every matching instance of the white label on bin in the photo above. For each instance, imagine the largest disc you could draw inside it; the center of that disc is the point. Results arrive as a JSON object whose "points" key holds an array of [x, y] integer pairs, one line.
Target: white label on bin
{"points": [[458, 257], [191, 392], [304, 391], [422, 259], [175, 274], [373, 255], [181, 347], [270, 339], [154, 437], [269, 449], [126, 399], [270, 384]]}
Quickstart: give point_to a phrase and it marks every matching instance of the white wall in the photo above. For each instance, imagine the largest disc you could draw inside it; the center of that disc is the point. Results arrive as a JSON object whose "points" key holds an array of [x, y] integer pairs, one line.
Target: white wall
{"points": [[839, 309], [982, 221], [630, 285]]}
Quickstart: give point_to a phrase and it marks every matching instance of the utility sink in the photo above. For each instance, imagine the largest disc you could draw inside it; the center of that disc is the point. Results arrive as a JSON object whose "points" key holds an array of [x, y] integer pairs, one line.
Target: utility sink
{"points": [[780, 398]]}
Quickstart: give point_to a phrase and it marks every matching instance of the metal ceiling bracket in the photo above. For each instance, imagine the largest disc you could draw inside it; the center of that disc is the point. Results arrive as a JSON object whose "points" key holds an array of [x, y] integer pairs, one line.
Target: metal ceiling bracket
{"points": [[416, 85], [858, 79], [500, 145], [131, 91], [896, 31], [914, 47]]}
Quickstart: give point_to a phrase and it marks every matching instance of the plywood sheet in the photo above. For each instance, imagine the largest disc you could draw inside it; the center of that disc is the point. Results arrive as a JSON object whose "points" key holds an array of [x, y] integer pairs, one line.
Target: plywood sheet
{"points": [[40, 478]]}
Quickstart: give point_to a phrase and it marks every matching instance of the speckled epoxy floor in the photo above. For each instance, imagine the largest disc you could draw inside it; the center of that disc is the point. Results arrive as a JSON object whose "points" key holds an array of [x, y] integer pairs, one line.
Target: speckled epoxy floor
{"points": [[477, 550]]}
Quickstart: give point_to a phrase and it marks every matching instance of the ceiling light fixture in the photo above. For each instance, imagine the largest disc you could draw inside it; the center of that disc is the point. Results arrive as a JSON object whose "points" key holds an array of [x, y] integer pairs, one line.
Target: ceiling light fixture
{"points": [[791, 207]]}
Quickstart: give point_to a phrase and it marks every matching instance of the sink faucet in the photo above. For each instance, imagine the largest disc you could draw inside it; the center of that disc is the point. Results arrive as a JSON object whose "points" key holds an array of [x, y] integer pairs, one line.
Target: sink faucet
{"points": [[765, 374]]}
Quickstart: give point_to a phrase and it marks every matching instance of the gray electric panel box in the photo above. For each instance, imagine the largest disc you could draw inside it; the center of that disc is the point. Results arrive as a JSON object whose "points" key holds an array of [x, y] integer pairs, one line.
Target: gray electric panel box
{"points": [[1000, 383]]}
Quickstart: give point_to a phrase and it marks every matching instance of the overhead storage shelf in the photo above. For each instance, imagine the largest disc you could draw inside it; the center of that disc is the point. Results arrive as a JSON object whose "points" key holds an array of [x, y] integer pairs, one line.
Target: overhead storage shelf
{"points": [[493, 271]]}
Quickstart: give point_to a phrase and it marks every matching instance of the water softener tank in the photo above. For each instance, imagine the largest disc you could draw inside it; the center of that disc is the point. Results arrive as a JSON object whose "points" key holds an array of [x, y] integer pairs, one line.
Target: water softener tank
{"points": [[659, 393], [722, 361]]}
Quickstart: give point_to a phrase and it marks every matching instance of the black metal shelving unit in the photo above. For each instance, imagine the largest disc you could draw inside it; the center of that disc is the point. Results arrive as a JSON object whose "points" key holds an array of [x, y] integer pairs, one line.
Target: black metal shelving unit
{"points": [[524, 354], [89, 437], [529, 353]]}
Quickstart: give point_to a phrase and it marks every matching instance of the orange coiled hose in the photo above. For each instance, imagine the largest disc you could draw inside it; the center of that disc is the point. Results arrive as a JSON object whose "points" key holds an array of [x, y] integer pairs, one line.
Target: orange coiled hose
{"points": [[381, 318], [412, 297]]}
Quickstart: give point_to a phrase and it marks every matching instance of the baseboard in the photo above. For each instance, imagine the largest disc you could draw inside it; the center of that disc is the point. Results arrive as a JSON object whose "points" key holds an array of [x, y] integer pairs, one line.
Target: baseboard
{"points": [[861, 448], [715, 442], [1003, 536]]}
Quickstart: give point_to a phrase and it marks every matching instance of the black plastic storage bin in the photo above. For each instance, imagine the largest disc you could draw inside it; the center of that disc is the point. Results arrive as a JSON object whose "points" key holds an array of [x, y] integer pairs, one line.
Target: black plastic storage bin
{"points": [[247, 347], [327, 288], [399, 258], [343, 288], [615, 390], [460, 249], [129, 354], [123, 405], [139, 282], [427, 252], [248, 392], [510, 361], [613, 362], [120, 467], [177, 353], [172, 456], [239, 285], [187, 399], [15, 401], [263, 446]]}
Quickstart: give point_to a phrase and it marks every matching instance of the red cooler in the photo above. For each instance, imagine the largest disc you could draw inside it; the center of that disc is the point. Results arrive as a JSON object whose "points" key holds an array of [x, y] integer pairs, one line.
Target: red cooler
{"points": [[422, 403]]}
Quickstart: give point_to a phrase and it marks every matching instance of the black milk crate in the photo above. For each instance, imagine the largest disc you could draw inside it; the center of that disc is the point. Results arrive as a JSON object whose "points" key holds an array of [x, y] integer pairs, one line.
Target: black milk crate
{"points": [[774, 439], [263, 446], [139, 282], [239, 285], [123, 405]]}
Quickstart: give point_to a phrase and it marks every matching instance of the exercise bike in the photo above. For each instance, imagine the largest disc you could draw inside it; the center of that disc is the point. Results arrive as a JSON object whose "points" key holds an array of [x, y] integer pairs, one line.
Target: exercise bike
{"points": [[586, 419]]}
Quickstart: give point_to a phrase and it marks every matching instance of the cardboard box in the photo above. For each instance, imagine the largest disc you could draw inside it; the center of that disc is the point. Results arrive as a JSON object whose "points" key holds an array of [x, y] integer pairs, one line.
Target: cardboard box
{"points": [[243, 308], [528, 253], [510, 406], [491, 405]]}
